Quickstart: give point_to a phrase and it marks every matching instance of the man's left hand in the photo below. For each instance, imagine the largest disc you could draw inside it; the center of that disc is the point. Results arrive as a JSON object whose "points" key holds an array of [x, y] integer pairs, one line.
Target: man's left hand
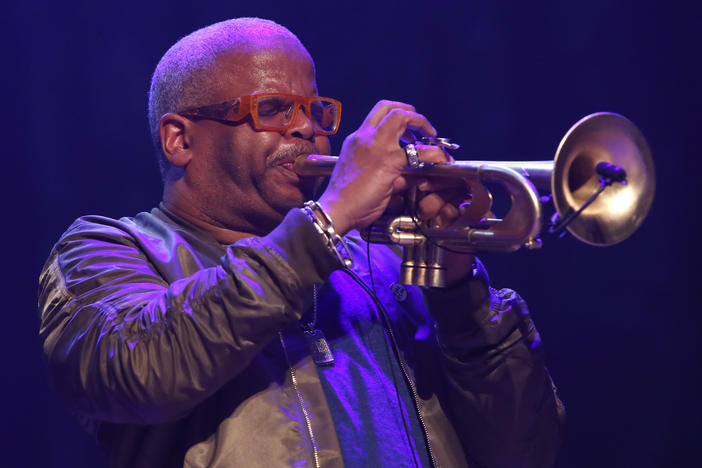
{"points": [[439, 203]]}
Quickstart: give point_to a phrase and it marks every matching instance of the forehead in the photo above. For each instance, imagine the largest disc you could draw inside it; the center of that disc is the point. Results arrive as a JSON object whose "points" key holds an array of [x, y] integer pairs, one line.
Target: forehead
{"points": [[272, 69]]}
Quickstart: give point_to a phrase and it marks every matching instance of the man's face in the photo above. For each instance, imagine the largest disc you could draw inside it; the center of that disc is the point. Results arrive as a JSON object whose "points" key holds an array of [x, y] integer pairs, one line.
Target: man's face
{"points": [[244, 175]]}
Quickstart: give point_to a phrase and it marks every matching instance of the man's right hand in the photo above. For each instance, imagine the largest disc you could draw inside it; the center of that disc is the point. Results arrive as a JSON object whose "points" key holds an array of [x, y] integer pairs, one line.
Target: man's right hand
{"points": [[369, 170]]}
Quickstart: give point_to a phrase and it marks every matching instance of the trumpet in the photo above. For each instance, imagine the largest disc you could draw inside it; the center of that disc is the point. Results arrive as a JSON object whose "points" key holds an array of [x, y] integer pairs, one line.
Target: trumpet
{"points": [[601, 182]]}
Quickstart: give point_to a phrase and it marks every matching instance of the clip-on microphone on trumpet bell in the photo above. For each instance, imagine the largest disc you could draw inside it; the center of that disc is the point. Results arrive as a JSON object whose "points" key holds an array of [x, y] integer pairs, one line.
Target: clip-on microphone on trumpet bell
{"points": [[609, 174]]}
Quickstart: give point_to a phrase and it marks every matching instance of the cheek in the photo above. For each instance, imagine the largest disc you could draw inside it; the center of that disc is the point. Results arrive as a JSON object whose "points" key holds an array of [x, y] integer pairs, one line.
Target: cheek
{"points": [[246, 150]]}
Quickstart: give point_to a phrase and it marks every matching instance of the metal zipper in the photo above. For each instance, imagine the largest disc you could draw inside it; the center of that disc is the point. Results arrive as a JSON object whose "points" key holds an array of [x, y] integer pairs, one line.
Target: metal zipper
{"points": [[308, 424], [415, 396], [396, 350]]}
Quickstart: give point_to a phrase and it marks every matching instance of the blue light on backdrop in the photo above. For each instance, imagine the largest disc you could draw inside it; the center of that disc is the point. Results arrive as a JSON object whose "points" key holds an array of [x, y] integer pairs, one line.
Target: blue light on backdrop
{"points": [[504, 79]]}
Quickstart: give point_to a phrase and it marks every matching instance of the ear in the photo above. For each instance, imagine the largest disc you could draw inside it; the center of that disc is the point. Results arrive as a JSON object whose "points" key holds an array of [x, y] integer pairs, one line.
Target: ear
{"points": [[174, 131]]}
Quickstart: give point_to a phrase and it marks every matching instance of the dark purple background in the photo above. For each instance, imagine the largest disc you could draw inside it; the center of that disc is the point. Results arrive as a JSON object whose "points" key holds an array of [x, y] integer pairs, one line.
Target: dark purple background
{"points": [[506, 80]]}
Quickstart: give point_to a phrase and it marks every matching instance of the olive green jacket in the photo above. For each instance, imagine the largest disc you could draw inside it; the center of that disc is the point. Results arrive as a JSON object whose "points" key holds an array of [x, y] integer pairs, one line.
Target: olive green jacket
{"points": [[175, 350]]}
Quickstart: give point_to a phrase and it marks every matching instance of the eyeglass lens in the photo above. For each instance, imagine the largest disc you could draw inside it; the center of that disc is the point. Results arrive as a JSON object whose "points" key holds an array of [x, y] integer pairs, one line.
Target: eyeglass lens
{"points": [[276, 111]]}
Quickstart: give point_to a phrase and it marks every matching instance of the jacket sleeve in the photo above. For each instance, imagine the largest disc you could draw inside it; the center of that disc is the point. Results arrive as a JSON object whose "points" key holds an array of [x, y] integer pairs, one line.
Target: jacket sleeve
{"points": [[124, 345], [504, 405]]}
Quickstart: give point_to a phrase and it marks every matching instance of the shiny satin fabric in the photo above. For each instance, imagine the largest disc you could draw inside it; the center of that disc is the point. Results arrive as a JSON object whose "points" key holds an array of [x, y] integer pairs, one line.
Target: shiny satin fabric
{"points": [[180, 351]]}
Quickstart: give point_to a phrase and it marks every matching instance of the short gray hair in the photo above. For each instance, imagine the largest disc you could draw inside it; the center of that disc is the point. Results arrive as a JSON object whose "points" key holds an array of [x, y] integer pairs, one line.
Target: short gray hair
{"points": [[182, 77]]}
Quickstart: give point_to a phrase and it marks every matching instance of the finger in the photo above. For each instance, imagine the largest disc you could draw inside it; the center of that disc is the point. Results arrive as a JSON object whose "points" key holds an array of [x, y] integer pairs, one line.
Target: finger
{"points": [[382, 108], [432, 204], [397, 121], [447, 215], [401, 184], [434, 154]]}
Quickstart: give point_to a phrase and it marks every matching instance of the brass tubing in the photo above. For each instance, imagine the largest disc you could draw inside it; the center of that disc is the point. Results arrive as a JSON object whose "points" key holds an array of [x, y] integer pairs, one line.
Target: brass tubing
{"points": [[538, 172], [570, 178], [521, 225]]}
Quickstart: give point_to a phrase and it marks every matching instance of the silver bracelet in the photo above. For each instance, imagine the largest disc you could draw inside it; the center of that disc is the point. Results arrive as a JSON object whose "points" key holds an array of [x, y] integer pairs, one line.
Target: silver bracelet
{"points": [[325, 227]]}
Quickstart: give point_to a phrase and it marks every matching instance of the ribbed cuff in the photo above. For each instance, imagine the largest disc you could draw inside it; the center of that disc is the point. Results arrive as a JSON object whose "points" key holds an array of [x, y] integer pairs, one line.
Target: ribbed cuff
{"points": [[462, 308]]}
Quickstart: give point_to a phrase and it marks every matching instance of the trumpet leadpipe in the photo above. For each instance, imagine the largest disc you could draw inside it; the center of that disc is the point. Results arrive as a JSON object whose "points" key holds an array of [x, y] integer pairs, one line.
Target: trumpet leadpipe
{"points": [[314, 165], [538, 172]]}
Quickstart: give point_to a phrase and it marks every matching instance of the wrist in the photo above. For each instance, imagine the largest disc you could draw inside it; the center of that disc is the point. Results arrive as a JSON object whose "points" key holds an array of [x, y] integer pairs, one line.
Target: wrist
{"points": [[337, 215], [460, 267], [325, 227]]}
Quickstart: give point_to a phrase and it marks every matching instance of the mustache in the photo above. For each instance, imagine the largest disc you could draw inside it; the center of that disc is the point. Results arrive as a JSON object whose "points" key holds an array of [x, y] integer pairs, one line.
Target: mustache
{"points": [[289, 153]]}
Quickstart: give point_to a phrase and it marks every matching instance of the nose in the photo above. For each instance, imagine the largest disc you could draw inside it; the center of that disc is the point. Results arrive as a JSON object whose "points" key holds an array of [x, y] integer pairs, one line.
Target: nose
{"points": [[302, 127]]}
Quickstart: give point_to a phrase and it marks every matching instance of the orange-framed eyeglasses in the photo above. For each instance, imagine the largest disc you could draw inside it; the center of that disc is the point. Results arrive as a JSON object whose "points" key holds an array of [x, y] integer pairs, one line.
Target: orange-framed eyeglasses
{"points": [[274, 111]]}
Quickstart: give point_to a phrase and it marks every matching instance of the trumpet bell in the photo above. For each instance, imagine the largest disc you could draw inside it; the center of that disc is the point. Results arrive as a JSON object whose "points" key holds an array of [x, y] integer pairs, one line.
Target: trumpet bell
{"points": [[619, 210]]}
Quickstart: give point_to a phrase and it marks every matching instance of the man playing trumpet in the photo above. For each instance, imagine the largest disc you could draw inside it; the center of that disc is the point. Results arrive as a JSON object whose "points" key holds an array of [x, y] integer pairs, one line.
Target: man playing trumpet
{"points": [[230, 327]]}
